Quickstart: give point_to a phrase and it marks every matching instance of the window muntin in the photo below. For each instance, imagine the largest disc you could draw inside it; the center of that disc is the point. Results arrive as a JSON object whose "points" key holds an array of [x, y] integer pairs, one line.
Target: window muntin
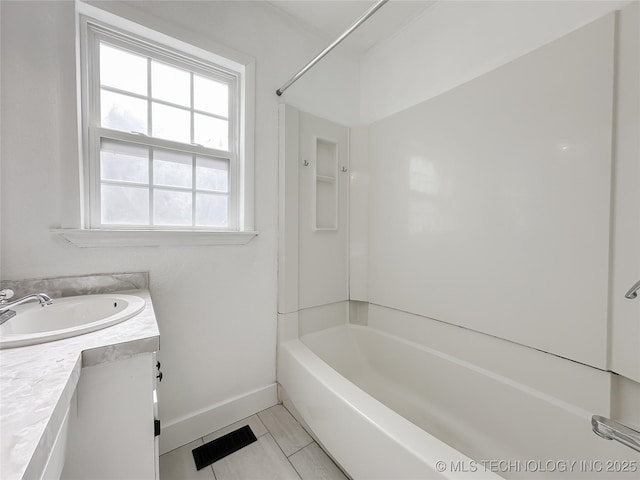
{"points": [[147, 186], [163, 138]]}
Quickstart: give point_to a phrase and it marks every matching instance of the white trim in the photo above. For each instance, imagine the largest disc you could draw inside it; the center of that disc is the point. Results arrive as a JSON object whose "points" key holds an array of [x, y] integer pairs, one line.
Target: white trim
{"points": [[288, 208], [186, 429], [125, 41], [151, 238], [246, 149], [241, 124], [163, 143]]}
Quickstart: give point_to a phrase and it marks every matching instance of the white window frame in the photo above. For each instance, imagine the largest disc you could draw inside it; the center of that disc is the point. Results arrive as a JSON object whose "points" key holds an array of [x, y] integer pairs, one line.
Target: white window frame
{"points": [[93, 24]]}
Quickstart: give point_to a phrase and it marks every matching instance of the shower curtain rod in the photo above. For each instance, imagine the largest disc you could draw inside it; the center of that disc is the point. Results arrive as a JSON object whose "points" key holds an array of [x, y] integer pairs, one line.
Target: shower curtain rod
{"points": [[374, 8]]}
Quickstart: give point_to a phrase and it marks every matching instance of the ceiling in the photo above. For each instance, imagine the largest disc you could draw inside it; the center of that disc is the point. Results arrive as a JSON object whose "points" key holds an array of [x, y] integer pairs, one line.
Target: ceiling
{"points": [[330, 18]]}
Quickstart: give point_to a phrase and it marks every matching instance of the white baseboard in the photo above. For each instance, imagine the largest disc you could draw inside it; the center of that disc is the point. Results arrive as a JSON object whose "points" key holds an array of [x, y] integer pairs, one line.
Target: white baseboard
{"points": [[191, 427]]}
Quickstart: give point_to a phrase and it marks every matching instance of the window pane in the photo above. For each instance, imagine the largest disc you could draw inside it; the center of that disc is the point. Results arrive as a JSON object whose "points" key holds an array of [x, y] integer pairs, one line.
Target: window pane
{"points": [[211, 132], [124, 205], [212, 174], [210, 96], [123, 162], [172, 169], [123, 70], [171, 123], [122, 112], [212, 210], [170, 84], [171, 207]]}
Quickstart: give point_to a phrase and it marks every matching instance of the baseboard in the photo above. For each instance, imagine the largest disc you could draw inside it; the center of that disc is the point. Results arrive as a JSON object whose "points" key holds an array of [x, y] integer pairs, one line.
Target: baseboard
{"points": [[191, 427]]}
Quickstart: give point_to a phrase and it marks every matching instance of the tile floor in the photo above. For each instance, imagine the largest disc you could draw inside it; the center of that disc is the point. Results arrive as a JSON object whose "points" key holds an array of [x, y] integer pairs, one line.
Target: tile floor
{"points": [[283, 451]]}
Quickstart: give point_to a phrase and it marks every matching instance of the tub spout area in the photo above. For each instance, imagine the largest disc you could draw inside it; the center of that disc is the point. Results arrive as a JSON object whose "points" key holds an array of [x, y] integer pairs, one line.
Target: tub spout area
{"points": [[612, 430]]}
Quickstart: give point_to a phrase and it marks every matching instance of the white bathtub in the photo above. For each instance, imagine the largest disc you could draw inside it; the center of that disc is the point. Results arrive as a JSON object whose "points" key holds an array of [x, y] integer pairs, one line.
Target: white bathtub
{"points": [[388, 407]]}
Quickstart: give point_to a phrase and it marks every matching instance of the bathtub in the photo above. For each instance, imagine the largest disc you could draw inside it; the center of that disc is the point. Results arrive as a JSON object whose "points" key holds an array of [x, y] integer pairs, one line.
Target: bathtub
{"points": [[384, 406]]}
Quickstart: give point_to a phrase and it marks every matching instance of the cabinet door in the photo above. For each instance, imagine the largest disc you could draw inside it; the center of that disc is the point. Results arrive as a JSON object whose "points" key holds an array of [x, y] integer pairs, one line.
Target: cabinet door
{"points": [[112, 435], [156, 415]]}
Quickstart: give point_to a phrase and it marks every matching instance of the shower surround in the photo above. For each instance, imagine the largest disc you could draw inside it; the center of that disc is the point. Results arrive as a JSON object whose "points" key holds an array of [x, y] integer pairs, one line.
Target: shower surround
{"points": [[474, 323]]}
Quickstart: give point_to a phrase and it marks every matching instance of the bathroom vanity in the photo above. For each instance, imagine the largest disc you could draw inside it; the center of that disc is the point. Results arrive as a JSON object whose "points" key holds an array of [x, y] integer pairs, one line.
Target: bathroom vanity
{"points": [[85, 406]]}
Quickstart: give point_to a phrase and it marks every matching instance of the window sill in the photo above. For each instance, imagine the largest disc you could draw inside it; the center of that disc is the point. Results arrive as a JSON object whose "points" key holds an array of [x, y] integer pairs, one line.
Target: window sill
{"points": [[150, 238]]}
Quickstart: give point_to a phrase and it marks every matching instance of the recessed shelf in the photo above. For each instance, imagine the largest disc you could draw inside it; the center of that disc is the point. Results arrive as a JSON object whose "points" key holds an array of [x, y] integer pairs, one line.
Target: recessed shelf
{"points": [[326, 188]]}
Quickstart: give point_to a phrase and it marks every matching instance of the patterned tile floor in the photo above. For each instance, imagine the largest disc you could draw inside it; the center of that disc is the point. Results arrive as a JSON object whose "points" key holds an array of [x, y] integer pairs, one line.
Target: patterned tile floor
{"points": [[283, 451]]}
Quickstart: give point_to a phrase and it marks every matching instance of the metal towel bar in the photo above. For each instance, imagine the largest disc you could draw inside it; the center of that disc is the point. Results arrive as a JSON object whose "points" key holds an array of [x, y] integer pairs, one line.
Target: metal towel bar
{"points": [[612, 430], [633, 291]]}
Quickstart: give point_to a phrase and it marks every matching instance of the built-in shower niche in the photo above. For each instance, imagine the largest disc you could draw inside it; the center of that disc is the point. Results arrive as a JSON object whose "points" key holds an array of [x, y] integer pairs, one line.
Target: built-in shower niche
{"points": [[326, 185]]}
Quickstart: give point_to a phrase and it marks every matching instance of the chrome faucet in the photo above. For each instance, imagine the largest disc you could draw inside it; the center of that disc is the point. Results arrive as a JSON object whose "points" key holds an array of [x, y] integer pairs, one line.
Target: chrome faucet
{"points": [[612, 430], [6, 313]]}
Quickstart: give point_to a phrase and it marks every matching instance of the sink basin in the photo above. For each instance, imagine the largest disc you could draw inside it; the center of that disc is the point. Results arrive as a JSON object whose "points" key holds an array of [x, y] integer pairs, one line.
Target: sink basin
{"points": [[66, 317]]}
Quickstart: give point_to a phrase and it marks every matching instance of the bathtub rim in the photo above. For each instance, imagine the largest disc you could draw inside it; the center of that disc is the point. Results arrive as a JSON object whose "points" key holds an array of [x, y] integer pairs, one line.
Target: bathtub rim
{"points": [[480, 370], [420, 444]]}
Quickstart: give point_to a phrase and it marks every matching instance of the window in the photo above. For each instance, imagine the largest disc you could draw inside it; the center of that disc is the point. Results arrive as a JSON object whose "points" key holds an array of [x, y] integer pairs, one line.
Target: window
{"points": [[165, 142]]}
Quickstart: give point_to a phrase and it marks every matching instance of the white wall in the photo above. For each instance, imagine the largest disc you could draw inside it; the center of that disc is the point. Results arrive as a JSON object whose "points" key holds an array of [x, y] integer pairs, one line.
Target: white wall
{"points": [[1, 63], [359, 214], [216, 306], [490, 202], [625, 233], [456, 41], [323, 263], [449, 44]]}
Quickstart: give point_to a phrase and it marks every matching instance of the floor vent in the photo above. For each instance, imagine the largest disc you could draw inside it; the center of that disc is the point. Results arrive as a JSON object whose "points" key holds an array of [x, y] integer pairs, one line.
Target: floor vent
{"points": [[219, 448]]}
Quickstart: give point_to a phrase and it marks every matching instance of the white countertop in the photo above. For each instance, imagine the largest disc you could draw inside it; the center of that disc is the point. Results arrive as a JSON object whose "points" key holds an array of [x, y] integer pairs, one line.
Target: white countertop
{"points": [[37, 383]]}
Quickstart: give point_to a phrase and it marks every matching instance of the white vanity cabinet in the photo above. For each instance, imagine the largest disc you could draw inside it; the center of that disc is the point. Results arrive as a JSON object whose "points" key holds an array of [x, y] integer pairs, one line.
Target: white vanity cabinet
{"points": [[83, 407], [111, 421]]}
